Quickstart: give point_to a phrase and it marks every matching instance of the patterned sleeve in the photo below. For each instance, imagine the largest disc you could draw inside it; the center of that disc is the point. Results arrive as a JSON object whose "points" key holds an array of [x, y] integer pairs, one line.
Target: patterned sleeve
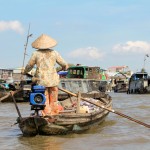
{"points": [[31, 63], [60, 60]]}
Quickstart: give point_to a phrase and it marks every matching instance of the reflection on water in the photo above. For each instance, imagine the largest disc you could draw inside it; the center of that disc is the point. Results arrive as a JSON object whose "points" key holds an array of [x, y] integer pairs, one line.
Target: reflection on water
{"points": [[42, 142], [116, 133]]}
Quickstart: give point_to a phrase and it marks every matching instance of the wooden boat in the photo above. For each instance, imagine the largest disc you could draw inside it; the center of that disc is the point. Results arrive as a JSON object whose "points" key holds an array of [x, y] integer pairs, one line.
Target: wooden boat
{"points": [[139, 83], [6, 97], [84, 79], [121, 86], [120, 82], [20, 91], [75, 118]]}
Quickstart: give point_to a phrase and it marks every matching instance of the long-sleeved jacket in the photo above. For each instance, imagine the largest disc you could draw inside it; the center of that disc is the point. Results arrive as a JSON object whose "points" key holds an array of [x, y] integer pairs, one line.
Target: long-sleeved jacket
{"points": [[45, 61]]}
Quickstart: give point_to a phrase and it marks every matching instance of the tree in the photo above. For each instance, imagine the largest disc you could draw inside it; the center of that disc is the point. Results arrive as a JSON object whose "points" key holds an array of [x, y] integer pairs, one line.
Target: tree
{"points": [[143, 70]]}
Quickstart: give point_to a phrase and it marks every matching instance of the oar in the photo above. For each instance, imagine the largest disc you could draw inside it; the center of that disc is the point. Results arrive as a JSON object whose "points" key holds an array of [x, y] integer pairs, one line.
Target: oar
{"points": [[108, 109]]}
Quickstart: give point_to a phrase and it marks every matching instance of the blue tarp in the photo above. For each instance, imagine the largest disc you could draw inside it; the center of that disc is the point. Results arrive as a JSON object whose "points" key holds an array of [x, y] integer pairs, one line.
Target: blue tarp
{"points": [[64, 73]]}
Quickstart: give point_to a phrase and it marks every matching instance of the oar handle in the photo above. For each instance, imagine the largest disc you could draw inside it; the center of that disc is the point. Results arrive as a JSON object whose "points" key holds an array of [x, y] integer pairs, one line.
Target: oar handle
{"points": [[108, 109]]}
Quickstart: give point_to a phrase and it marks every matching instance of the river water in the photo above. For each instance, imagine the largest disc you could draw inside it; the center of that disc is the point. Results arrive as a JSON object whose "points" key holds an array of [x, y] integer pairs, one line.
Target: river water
{"points": [[116, 133]]}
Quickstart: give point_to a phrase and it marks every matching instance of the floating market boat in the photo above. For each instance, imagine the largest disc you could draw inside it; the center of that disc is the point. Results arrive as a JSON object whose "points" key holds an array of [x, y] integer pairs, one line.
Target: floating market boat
{"points": [[120, 82], [76, 116], [139, 83], [5, 93], [84, 79], [121, 87]]}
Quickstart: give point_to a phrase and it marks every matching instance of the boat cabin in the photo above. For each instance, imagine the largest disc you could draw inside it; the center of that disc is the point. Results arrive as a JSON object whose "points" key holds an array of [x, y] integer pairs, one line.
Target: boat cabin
{"points": [[83, 72], [139, 75]]}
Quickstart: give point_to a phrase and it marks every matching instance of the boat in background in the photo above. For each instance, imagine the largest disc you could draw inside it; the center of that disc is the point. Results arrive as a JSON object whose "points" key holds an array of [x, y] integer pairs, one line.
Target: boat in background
{"points": [[121, 82], [119, 78], [20, 91], [81, 78], [139, 83], [121, 86]]}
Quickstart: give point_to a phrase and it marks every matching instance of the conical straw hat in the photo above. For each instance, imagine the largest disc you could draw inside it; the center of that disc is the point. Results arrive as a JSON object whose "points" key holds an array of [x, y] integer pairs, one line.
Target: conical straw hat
{"points": [[44, 42]]}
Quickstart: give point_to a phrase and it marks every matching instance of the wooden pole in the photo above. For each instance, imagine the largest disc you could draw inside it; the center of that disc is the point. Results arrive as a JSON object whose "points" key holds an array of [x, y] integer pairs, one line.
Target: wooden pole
{"points": [[19, 114], [108, 109], [78, 102], [25, 50]]}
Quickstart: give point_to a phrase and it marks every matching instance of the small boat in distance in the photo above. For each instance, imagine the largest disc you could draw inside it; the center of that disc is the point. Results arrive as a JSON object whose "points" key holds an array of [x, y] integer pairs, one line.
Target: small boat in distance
{"points": [[121, 86], [121, 83]]}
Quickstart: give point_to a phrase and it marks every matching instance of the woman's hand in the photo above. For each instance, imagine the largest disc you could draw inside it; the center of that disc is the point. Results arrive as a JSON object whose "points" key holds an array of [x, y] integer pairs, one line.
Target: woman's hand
{"points": [[65, 67]]}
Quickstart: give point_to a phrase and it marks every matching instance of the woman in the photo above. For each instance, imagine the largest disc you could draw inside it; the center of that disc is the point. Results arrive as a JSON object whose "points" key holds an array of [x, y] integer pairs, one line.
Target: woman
{"points": [[46, 75]]}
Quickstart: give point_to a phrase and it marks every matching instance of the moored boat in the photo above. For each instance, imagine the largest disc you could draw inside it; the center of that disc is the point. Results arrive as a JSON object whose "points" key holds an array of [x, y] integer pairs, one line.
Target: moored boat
{"points": [[120, 82], [84, 79], [139, 83], [5, 94], [121, 86]]}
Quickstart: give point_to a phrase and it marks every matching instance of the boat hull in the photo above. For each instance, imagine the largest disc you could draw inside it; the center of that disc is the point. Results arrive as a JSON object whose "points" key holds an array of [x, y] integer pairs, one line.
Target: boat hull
{"points": [[139, 87], [33, 126], [65, 122]]}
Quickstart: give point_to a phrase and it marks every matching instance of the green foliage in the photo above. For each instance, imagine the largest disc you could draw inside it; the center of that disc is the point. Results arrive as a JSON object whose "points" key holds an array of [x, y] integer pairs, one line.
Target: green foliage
{"points": [[143, 70]]}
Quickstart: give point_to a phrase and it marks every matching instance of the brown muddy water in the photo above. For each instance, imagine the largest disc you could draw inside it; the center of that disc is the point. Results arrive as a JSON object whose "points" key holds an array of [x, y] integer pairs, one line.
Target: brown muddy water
{"points": [[116, 133]]}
